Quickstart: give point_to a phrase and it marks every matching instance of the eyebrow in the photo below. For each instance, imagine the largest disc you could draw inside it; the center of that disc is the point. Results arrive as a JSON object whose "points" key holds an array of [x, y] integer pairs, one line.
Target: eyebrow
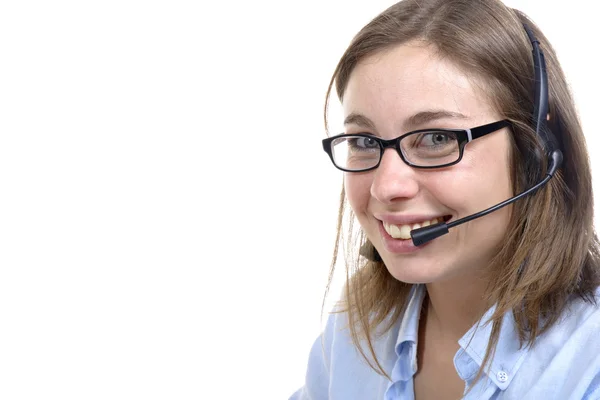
{"points": [[418, 119], [360, 120]]}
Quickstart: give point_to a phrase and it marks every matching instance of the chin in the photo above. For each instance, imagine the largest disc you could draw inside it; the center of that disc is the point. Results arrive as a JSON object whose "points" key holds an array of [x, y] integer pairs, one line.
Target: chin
{"points": [[417, 271]]}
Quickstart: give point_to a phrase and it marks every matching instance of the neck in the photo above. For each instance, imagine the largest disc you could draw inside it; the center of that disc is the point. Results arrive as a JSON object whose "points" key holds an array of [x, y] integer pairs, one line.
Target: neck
{"points": [[453, 307]]}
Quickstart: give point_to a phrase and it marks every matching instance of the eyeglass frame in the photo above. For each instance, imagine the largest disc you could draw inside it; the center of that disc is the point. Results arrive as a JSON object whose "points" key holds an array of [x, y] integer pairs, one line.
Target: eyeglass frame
{"points": [[464, 136]]}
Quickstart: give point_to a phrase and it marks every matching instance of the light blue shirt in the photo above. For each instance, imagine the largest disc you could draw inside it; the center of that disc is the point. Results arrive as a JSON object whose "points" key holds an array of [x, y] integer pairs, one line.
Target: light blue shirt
{"points": [[564, 362]]}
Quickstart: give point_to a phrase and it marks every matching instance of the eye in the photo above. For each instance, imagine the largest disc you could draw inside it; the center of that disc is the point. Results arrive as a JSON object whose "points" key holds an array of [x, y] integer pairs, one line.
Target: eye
{"points": [[363, 143], [437, 139]]}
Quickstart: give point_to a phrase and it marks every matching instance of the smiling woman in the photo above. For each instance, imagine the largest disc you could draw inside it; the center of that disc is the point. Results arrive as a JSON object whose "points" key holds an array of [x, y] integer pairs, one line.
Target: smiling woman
{"points": [[448, 113]]}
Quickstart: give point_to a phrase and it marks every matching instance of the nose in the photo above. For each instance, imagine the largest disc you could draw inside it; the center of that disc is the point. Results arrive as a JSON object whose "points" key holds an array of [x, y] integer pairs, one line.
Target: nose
{"points": [[394, 179]]}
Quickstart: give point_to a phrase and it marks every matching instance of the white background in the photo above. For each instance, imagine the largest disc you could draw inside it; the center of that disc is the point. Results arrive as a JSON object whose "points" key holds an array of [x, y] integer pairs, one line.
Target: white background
{"points": [[167, 214]]}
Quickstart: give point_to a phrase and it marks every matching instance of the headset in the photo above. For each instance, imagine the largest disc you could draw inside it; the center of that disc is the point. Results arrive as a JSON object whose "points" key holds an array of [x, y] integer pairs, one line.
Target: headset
{"points": [[555, 157]]}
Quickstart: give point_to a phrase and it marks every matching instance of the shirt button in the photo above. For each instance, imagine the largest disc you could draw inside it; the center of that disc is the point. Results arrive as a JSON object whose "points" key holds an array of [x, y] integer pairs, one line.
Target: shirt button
{"points": [[502, 376]]}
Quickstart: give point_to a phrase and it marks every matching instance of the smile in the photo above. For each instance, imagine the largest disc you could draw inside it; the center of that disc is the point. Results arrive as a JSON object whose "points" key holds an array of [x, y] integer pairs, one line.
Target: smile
{"points": [[403, 231]]}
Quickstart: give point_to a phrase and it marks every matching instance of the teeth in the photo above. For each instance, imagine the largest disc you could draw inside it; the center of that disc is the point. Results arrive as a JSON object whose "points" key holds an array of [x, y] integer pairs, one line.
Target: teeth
{"points": [[403, 231], [394, 231]]}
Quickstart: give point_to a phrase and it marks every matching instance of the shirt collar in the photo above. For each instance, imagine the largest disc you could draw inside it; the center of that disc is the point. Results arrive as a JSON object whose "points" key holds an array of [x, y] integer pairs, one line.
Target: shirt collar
{"points": [[408, 334], [508, 357]]}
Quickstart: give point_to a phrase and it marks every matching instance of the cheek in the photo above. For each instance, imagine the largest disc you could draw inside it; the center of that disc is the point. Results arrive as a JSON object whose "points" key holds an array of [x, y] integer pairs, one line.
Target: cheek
{"points": [[358, 192], [496, 185], [481, 180]]}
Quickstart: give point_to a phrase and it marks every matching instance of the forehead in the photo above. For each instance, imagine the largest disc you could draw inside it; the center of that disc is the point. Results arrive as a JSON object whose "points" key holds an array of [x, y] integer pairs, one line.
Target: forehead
{"points": [[395, 84]]}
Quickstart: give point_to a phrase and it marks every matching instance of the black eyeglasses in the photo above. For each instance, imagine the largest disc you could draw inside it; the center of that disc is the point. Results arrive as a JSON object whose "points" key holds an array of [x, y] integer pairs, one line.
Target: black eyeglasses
{"points": [[425, 148]]}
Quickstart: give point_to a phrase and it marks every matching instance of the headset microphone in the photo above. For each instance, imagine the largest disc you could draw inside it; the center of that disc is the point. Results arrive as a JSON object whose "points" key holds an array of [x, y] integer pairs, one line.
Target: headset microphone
{"points": [[423, 235]]}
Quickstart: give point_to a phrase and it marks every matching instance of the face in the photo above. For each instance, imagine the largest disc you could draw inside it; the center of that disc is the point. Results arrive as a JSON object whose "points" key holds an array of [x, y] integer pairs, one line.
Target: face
{"points": [[407, 88]]}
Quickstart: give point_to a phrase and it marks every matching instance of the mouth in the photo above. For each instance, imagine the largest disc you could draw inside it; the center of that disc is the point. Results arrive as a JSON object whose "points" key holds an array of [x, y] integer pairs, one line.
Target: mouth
{"points": [[403, 231]]}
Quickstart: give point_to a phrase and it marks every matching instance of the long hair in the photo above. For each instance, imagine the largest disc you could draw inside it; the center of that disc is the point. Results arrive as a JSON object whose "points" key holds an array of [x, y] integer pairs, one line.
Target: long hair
{"points": [[550, 254]]}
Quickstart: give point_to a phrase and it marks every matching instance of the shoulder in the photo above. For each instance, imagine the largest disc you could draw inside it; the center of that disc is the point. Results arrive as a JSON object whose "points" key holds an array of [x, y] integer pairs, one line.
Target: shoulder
{"points": [[577, 328], [566, 358], [330, 352], [337, 370], [581, 319]]}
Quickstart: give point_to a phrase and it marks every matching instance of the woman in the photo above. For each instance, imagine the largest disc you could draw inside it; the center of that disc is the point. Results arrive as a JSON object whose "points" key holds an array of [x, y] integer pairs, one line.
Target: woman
{"points": [[442, 121]]}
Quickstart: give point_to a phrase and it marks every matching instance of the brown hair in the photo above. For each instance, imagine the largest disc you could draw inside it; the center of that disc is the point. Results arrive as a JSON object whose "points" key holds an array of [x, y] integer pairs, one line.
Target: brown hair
{"points": [[550, 253]]}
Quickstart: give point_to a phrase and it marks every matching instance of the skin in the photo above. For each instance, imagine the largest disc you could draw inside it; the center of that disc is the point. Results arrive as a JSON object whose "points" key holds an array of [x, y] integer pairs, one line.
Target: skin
{"points": [[388, 89]]}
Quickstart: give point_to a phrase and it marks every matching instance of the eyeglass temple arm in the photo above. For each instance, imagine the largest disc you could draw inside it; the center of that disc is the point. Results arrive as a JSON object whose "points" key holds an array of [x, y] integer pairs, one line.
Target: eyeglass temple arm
{"points": [[484, 130]]}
